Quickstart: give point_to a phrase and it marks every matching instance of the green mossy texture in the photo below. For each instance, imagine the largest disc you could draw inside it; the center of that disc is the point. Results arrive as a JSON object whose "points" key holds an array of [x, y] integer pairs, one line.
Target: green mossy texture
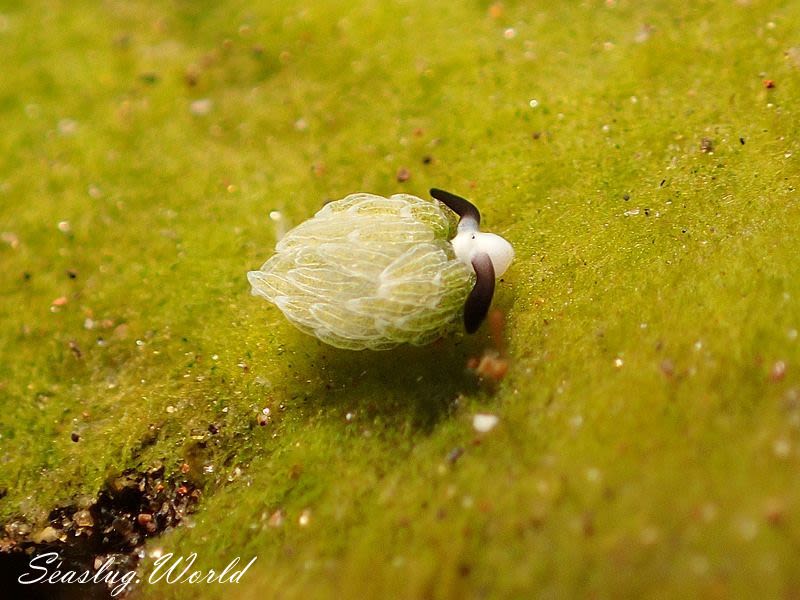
{"points": [[649, 434]]}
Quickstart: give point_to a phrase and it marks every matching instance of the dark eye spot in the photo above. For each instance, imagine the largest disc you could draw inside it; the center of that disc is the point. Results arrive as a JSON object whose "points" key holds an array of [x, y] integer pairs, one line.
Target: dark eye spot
{"points": [[473, 236]]}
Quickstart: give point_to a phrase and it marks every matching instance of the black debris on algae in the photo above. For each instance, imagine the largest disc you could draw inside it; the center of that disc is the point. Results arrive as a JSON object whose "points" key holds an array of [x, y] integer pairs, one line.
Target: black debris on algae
{"points": [[131, 507]]}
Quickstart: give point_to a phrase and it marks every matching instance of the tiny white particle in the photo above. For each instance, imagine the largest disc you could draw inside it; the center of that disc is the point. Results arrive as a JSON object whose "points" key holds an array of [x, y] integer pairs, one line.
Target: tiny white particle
{"points": [[782, 448], [747, 529], [201, 107], [593, 474], [649, 535], [510, 33], [709, 512], [275, 215], [301, 124], [484, 422], [67, 127], [10, 238], [533, 103], [618, 362], [64, 226], [643, 34]]}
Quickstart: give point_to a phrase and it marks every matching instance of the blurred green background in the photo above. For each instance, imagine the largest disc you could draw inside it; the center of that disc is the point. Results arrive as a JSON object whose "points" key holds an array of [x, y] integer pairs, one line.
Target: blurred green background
{"points": [[641, 156]]}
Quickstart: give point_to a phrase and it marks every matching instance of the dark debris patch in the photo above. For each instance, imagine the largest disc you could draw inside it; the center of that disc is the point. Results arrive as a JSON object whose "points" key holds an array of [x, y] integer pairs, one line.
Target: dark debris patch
{"points": [[129, 509]]}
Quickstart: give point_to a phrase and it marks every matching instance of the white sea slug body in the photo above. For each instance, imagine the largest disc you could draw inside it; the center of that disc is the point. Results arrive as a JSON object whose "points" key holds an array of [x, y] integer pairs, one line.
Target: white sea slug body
{"points": [[368, 272]]}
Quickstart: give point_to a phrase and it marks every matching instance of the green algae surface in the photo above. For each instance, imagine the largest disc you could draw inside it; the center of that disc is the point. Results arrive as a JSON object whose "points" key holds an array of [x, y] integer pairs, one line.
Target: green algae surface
{"points": [[642, 157]]}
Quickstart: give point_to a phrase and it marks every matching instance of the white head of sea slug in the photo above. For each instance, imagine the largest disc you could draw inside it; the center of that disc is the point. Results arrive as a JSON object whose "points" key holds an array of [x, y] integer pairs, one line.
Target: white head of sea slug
{"points": [[368, 272]]}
